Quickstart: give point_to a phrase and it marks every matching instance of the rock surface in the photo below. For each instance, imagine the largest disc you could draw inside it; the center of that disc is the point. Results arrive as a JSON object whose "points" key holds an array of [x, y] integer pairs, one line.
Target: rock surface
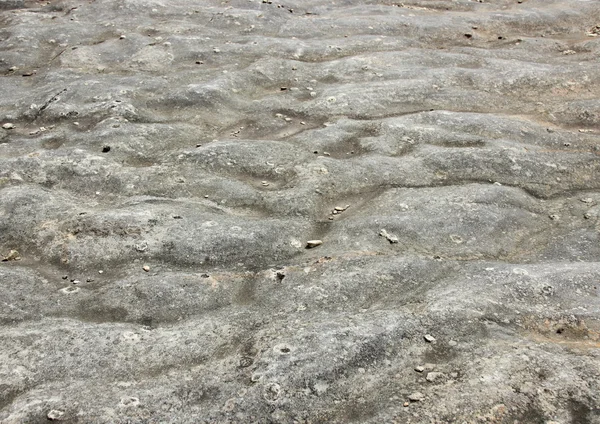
{"points": [[167, 161]]}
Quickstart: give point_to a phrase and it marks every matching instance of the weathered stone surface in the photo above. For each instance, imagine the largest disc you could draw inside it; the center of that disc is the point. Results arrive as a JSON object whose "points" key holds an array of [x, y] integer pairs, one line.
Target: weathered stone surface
{"points": [[167, 162]]}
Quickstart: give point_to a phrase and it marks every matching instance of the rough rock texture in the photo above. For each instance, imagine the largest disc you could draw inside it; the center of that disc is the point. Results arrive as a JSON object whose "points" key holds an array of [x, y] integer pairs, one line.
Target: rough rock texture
{"points": [[163, 164]]}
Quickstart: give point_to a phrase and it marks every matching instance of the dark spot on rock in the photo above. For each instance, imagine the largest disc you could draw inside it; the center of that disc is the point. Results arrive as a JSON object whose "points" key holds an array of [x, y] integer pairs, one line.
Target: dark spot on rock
{"points": [[146, 321]]}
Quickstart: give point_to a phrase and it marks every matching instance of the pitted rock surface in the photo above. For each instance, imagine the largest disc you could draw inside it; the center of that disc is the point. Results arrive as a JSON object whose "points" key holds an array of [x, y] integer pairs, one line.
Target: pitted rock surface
{"points": [[168, 167]]}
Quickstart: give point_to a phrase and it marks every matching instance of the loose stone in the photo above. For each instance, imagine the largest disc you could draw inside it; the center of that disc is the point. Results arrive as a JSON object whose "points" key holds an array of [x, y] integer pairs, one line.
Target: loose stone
{"points": [[416, 397], [146, 268], [13, 255], [390, 237], [429, 338], [8, 126], [313, 243], [433, 376], [55, 415]]}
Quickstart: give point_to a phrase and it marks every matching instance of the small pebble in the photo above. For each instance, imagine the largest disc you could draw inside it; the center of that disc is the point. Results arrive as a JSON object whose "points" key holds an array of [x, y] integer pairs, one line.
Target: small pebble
{"points": [[587, 200], [146, 268], [416, 397], [433, 376], [313, 243], [419, 368], [429, 338], [13, 255], [390, 237], [8, 126], [55, 415]]}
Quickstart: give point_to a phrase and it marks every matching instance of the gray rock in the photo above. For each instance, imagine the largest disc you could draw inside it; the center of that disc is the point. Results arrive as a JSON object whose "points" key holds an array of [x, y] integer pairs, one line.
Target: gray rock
{"points": [[390, 237], [457, 127], [55, 415], [416, 397], [313, 243], [434, 376]]}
